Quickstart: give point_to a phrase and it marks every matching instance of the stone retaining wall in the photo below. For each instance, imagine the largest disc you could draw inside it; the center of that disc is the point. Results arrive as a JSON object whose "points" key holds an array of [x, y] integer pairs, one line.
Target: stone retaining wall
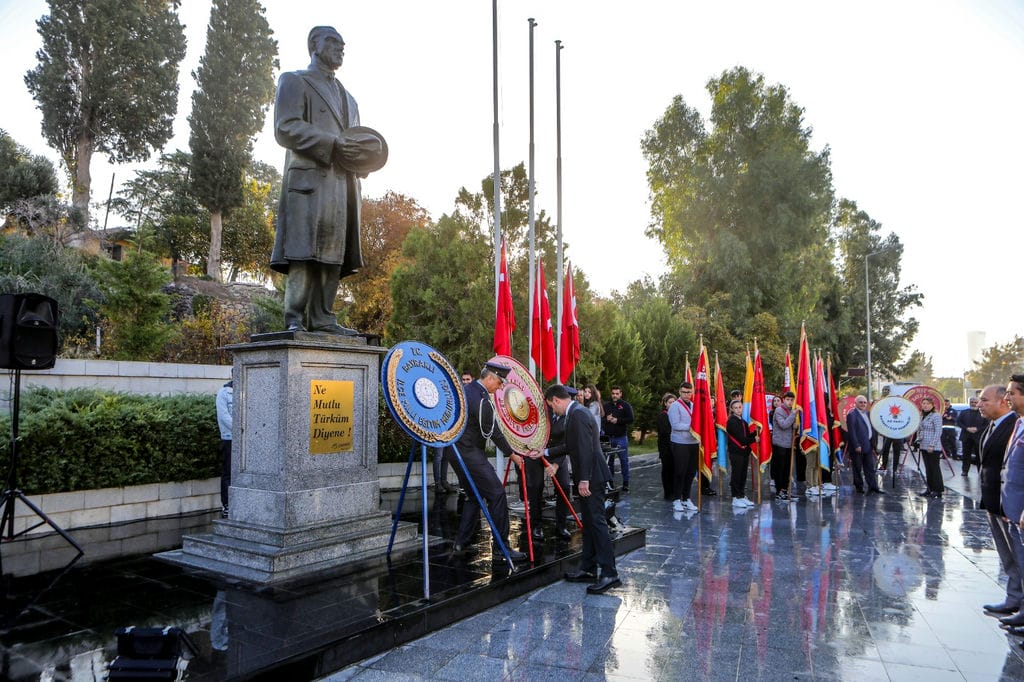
{"points": [[160, 378]]}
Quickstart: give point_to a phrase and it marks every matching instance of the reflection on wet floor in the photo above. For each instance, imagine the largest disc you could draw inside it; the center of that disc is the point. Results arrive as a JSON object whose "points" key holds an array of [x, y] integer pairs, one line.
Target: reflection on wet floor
{"points": [[851, 587], [61, 625]]}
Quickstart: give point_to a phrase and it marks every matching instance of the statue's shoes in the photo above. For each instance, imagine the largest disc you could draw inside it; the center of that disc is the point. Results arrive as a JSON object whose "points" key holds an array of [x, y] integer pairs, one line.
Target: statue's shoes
{"points": [[336, 329]]}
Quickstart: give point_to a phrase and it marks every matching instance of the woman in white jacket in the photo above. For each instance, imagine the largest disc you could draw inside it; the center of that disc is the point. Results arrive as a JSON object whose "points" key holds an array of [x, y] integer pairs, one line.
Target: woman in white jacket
{"points": [[929, 438]]}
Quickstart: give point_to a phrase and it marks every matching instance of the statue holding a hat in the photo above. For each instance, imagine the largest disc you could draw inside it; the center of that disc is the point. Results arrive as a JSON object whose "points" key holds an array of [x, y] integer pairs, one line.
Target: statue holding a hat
{"points": [[317, 243]]}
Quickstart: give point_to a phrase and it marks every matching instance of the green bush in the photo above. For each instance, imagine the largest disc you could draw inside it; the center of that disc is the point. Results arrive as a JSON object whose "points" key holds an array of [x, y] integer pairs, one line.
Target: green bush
{"points": [[83, 439], [88, 438]]}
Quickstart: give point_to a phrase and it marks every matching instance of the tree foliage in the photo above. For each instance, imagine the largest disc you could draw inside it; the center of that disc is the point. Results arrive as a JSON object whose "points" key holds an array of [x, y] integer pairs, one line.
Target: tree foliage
{"points": [[891, 331], [998, 362], [443, 292], [234, 88], [22, 175], [160, 204], [107, 81], [742, 207], [249, 232], [386, 222], [64, 274], [134, 309]]}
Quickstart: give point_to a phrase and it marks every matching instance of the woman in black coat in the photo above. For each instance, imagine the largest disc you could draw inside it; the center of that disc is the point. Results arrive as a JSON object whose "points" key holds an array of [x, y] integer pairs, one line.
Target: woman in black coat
{"points": [[740, 438], [664, 429]]}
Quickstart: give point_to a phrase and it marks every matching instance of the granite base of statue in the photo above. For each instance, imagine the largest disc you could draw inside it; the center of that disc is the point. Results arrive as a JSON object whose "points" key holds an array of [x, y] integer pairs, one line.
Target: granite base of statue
{"points": [[305, 495]]}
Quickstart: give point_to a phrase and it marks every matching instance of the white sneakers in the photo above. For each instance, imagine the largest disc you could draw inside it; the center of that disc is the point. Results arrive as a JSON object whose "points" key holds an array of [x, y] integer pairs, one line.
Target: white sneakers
{"points": [[828, 488], [741, 503], [812, 491], [684, 506]]}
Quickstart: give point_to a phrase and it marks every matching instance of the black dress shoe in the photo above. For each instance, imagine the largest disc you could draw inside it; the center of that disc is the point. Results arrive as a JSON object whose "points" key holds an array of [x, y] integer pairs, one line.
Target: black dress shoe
{"points": [[1005, 607], [463, 550], [1013, 621], [581, 577], [875, 491], [513, 555], [562, 534], [1016, 631], [625, 488], [538, 533], [604, 584]]}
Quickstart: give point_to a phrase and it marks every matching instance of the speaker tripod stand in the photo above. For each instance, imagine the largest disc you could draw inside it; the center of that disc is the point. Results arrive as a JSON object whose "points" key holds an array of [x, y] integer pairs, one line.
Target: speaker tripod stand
{"points": [[13, 494]]}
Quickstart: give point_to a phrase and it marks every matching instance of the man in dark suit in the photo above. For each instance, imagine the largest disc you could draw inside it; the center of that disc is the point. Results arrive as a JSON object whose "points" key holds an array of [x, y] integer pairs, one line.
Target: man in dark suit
{"points": [[481, 425], [861, 445], [535, 473], [972, 424], [590, 473], [317, 239], [993, 440]]}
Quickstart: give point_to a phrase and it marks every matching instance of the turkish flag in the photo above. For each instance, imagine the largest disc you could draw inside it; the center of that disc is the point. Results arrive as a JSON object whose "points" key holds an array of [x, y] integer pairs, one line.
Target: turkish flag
{"points": [[505, 319], [569, 340], [542, 349]]}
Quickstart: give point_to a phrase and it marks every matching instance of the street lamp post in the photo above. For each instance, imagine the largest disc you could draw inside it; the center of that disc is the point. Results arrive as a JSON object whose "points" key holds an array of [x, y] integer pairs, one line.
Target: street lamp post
{"points": [[867, 312]]}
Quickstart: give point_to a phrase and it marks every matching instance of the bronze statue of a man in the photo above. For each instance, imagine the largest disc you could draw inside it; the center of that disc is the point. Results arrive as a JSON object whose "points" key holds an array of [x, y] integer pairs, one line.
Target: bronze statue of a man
{"points": [[317, 241]]}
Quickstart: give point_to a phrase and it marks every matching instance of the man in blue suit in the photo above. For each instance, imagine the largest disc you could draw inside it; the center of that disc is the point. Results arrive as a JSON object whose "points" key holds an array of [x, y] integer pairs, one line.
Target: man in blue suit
{"points": [[994, 440], [1011, 496], [861, 445]]}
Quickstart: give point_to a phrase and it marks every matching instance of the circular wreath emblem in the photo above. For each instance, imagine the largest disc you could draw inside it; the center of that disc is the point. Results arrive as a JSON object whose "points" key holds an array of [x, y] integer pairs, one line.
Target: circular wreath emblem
{"points": [[423, 393], [519, 408]]}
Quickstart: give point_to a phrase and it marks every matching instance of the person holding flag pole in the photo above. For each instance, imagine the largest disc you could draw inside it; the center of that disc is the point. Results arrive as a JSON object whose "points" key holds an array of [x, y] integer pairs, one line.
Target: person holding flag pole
{"points": [[703, 427], [758, 418], [721, 423]]}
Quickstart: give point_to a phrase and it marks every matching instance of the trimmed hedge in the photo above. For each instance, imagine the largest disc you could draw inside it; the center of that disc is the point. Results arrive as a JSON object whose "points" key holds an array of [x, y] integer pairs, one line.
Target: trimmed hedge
{"points": [[83, 439], [88, 438]]}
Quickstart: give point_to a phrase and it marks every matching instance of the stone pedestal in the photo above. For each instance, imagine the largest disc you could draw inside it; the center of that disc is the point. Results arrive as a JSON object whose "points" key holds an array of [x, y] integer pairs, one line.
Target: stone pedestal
{"points": [[304, 495]]}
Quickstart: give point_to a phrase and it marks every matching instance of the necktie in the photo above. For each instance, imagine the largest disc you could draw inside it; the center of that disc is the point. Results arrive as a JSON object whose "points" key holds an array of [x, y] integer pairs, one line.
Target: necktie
{"points": [[984, 437]]}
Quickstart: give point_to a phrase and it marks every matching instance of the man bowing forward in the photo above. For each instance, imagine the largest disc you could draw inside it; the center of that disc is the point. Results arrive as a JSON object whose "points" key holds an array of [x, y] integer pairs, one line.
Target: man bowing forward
{"points": [[590, 473]]}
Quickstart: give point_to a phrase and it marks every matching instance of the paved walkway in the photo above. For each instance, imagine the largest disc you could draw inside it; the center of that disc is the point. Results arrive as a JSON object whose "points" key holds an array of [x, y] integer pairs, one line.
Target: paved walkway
{"points": [[852, 588]]}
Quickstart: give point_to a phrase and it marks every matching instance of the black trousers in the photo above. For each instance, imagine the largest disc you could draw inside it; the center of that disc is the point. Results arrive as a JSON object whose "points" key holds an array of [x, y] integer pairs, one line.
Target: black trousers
{"points": [[441, 464], [970, 446], [684, 465], [597, 541], [535, 491], [894, 445], [738, 478], [933, 470], [864, 471], [225, 471], [668, 472], [948, 440], [490, 488], [779, 467]]}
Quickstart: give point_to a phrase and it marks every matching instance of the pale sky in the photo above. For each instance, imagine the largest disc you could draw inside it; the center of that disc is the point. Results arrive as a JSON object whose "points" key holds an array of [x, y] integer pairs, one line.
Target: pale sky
{"points": [[920, 102]]}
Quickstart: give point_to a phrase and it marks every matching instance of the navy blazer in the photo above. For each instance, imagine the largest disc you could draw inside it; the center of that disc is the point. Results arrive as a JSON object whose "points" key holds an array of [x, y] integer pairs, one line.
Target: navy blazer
{"points": [[583, 444], [992, 456], [860, 434], [480, 415]]}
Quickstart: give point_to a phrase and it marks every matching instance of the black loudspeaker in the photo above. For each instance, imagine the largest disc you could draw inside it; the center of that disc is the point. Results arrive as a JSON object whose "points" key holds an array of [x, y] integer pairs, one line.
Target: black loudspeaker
{"points": [[28, 331]]}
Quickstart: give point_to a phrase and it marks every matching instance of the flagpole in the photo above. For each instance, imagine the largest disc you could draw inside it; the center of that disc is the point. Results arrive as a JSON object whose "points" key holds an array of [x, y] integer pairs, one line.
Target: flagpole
{"points": [[530, 181], [558, 190], [497, 161]]}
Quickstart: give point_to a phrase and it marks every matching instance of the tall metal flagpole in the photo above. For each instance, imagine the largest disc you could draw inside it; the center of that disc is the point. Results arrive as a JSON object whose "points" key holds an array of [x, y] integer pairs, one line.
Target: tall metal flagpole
{"points": [[533, 234], [558, 189], [497, 162], [499, 459]]}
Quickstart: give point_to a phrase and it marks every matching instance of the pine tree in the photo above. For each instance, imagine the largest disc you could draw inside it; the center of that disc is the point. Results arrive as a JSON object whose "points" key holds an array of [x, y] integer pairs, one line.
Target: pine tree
{"points": [[107, 81], [235, 87]]}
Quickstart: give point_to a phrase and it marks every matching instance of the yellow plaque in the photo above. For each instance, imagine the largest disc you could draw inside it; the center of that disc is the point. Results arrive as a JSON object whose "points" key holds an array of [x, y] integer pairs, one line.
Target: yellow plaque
{"points": [[330, 416]]}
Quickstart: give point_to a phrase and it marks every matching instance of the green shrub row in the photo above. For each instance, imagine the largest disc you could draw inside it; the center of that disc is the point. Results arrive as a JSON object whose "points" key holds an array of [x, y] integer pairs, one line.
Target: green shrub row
{"points": [[88, 438], [83, 439]]}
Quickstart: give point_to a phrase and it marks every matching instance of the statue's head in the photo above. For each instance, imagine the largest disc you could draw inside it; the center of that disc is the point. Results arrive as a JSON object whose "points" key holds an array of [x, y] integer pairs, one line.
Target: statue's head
{"points": [[326, 44]]}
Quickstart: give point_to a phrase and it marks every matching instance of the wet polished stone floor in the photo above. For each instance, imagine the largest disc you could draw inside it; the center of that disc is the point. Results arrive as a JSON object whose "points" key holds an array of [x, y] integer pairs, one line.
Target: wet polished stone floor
{"points": [[853, 587]]}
